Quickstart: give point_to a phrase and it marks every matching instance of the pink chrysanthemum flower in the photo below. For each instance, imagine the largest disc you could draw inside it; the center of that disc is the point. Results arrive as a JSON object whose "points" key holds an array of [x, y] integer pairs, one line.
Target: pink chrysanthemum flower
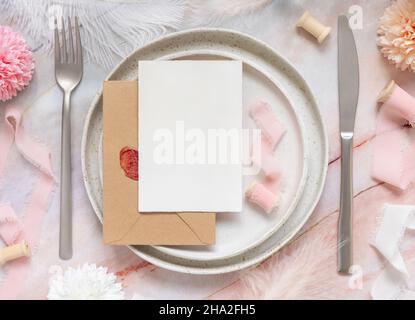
{"points": [[16, 63], [397, 34]]}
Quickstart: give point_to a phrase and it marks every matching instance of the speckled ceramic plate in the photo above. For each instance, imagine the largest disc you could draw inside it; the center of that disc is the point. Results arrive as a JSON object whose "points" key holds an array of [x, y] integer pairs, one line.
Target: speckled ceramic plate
{"points": [[236, 233], [266, 76]]}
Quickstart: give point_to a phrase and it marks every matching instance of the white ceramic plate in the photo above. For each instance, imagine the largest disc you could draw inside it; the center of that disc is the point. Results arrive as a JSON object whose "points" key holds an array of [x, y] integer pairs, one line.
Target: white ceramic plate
{"points": [[236, 233], [239, 244]]}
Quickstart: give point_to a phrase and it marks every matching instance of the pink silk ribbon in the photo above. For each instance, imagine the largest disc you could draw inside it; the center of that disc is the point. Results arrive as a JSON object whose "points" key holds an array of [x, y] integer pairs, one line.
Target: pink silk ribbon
{"points": [[393, 150], [272, 132], [12, 229], [10, 225], [266, 120], [265, 193]]}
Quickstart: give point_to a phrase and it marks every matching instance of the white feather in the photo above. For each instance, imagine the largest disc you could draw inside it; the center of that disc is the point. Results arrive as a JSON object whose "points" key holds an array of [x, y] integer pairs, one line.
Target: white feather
{"points": [[293, 272], [112, 29], [109, 30], [215, 12]]}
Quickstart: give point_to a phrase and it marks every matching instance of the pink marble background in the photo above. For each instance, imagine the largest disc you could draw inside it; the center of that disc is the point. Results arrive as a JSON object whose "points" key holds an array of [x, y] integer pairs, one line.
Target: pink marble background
{"points": [[304, 269]]}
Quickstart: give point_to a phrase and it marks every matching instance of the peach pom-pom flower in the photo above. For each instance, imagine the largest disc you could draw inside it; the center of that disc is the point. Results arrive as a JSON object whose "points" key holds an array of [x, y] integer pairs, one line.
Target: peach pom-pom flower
{"points": [[16, 63], [397, 34]]}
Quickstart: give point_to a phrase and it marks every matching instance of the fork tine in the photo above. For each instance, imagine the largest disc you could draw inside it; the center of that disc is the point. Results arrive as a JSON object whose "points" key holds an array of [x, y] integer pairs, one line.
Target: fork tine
{"points": [[71, 47], [63, 38], [57, 45], [78, 42]]}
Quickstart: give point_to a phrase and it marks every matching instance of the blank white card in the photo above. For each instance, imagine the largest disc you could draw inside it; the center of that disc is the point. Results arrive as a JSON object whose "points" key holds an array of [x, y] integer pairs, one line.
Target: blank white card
{"points": [[190, 123]]}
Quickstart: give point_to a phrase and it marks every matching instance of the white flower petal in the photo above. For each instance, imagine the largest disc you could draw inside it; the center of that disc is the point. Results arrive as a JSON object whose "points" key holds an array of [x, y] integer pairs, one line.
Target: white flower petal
{"points": [[87, 282]]}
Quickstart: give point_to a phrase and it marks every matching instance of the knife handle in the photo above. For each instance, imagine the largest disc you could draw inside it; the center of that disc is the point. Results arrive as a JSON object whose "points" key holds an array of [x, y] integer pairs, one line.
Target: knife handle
{"points": [[344, 244]]}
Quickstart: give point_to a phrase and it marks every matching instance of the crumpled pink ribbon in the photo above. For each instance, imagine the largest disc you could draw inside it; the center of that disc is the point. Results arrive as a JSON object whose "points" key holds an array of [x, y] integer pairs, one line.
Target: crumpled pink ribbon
{"points": [[394, 150], [272, 132], [12, 229], [265, 194]]}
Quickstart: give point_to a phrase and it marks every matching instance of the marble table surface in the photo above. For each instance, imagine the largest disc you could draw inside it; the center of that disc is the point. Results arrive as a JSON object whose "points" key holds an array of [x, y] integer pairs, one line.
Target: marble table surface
{"points": [[306, 268]]}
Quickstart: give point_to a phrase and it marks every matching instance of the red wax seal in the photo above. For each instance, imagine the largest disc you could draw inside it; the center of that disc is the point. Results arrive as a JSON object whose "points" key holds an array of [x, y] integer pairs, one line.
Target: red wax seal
{"points": [[129, 162]]}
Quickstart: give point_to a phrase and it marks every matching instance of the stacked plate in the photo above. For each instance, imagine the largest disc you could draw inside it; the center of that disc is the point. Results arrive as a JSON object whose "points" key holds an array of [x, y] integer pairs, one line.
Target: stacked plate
{"points": [[247, 238]]}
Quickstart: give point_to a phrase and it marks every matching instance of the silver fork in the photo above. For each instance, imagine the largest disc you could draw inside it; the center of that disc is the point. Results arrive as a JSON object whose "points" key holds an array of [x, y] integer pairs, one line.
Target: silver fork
{"points": [[68, 74]]}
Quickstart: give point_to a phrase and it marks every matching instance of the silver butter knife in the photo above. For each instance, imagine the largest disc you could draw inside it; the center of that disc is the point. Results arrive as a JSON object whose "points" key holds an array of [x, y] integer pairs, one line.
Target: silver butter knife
{"points": [[348, 77]]}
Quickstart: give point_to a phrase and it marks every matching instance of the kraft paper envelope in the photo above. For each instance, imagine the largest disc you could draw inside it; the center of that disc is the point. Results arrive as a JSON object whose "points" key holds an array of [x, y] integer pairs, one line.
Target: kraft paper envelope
{"points": [[123, 224]]}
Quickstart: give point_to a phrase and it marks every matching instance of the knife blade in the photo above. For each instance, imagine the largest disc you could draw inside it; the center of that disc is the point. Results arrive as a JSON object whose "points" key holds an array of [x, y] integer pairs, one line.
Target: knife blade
{"points": [[348, 83]]}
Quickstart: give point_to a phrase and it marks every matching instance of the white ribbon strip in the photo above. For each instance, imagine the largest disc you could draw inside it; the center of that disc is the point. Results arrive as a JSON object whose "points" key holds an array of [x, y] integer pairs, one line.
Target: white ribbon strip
{"points": [[392, 282]]}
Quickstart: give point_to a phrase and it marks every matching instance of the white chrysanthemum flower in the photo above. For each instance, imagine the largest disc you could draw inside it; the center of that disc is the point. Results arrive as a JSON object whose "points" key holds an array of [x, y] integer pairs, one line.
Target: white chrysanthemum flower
{"points": [[397, 34], [87, 282]]}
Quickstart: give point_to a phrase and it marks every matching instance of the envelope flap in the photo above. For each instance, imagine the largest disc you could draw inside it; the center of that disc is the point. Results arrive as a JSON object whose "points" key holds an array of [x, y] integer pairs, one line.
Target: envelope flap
{"points": [[201, 224]]}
